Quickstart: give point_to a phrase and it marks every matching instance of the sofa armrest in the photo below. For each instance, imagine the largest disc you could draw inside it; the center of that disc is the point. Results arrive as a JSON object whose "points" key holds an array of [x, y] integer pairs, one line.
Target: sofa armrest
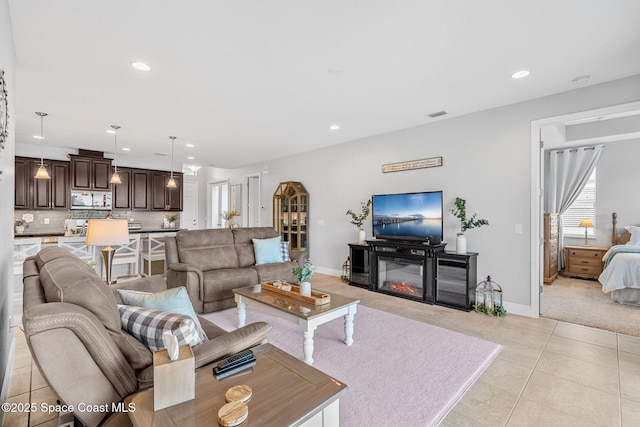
{"points": [[231, 343], [192, 278], [58, 333]]}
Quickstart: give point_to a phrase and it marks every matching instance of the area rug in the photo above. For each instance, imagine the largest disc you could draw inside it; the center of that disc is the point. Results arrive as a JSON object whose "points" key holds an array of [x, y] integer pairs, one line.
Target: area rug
{"points": [[583, 302], [398, 371]]}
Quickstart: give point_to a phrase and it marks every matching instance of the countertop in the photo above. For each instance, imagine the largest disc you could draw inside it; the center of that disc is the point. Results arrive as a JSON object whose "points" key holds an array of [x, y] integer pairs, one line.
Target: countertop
{"points": [[48, 234]]}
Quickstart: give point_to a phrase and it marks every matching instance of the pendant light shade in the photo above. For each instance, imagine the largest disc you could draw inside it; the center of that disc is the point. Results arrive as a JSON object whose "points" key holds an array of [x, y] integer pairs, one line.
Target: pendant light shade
{"points": [[115, 178], [172, 182], [42, 171]]}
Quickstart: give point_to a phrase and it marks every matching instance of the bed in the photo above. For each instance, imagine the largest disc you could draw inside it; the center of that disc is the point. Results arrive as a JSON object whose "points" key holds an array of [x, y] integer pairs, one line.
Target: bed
{"points": [[621, 275]]}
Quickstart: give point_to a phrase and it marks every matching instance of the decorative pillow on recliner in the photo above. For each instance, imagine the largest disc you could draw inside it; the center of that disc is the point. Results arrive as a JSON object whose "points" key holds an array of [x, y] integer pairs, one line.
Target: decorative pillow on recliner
{"points": [[174, 300], [284, 251], [148, 326], [267, 251]]}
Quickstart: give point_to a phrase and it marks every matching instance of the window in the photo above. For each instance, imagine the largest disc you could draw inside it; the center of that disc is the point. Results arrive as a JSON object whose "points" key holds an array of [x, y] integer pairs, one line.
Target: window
{"points": [[584, 207]]}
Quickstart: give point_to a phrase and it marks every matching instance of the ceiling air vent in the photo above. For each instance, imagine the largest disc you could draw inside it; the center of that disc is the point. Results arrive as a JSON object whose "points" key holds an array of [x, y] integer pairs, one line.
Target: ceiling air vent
{"points": [[438, 114]]}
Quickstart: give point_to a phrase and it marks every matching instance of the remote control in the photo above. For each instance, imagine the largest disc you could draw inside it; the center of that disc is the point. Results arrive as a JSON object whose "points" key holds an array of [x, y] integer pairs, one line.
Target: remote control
{"points": [[241, 362], [235, 359], [237, 369]]}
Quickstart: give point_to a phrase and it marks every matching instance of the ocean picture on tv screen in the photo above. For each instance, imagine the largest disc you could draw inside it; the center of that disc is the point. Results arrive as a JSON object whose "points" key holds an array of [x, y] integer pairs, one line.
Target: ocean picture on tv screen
{"points": [[410, 215]]}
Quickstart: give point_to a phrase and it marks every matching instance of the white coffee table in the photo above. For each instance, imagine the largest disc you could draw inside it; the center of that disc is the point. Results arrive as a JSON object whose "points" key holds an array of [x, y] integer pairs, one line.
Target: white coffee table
{"points": [[307, 316]]}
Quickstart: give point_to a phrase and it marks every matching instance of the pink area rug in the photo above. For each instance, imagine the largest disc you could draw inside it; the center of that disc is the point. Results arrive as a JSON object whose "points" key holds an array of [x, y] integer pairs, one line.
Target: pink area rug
{"points": [[399, 371]]}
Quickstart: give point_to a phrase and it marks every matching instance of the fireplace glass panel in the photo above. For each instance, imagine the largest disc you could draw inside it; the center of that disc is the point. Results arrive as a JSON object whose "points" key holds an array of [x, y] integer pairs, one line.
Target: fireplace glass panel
{"points": [[401, 276]]}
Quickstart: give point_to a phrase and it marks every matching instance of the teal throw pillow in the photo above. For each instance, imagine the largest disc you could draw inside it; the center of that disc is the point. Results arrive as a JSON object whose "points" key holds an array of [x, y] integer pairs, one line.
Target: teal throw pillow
{"points": [[174, 300], [267, 251]]}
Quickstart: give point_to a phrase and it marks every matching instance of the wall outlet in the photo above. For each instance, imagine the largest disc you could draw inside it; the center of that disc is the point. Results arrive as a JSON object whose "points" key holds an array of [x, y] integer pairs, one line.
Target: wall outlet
{"points": [[517, 229], [46, 221]]}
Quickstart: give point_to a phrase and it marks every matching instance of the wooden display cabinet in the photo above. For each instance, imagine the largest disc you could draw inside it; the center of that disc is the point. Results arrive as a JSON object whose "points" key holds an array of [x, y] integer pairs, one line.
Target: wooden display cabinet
{"points": [[291, 214]]}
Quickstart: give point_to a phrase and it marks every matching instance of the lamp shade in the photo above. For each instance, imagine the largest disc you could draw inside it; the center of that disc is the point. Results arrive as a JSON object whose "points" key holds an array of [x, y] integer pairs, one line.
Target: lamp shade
{"points": [[585, 223], [105, 232]]}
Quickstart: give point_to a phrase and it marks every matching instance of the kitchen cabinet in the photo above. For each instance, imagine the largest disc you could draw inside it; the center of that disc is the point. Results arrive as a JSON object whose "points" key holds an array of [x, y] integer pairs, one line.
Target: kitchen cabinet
{"points": [[163, 198], [31, 193], [90, 173], [121, 193], [140, 190]]}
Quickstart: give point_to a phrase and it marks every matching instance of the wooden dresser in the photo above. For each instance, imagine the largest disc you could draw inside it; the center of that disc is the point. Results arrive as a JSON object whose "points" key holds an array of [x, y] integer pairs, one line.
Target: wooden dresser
{"points": [[583, 261], [550, 248]]}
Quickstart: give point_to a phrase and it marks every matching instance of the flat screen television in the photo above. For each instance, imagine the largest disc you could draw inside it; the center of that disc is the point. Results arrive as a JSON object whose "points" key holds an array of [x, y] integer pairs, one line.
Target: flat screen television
{"points": [[407, 216]]}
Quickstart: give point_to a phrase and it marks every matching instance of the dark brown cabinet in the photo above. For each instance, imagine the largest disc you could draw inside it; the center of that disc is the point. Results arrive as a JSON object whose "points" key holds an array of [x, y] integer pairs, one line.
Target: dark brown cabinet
{"points": [[163, 198], [31, 193], [121, 193], [89, 173], [140, 190]]}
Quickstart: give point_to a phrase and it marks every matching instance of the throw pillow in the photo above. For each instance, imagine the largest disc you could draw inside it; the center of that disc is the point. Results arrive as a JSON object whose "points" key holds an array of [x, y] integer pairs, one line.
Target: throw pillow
{"points": [[174, 300], [284, 251], [635, 235], [148, 326], [267, 251]]}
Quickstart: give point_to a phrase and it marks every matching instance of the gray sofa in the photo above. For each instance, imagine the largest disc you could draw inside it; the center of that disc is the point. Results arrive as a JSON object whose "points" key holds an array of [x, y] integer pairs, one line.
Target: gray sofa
{"points": [[211, 263], [73, 330]]}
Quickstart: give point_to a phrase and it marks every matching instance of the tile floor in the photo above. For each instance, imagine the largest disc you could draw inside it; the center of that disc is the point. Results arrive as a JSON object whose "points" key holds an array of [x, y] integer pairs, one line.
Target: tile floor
{"points": [[549, 373]]}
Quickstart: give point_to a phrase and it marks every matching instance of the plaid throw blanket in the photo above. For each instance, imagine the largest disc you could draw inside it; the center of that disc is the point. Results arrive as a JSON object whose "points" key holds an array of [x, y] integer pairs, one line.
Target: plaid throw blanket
{"points": [[619, 249]]}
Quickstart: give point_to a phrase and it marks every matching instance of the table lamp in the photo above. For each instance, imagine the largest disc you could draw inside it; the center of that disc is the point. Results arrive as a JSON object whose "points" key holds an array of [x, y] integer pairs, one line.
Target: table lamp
{"points": [[106, 232], [586, 223]]}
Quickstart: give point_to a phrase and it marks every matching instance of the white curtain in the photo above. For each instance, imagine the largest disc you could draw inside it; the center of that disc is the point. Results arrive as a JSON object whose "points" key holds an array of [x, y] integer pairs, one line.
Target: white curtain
{"points": [[568, 172]]}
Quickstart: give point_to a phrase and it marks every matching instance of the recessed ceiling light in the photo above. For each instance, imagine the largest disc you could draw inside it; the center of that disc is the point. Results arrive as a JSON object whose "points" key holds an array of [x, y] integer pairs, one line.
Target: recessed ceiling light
{"points": [[38, 137], [111, 131], [334, 127], [141, 66], [190, 157], [520, 74], [126, 149], [581, 79], [188, 145]]}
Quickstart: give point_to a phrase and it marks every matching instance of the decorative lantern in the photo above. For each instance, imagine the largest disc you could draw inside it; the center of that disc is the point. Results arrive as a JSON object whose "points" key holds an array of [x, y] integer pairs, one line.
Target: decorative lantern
{"points": [[489, 298], [346, 268]]}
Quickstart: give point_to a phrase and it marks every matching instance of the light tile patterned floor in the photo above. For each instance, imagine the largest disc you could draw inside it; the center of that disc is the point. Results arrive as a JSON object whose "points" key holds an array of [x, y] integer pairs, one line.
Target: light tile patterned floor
{"points": [[549, 373]]}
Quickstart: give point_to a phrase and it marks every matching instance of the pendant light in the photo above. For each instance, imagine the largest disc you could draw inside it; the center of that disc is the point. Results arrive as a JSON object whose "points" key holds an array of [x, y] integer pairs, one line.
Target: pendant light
{"points": [[115, 178], [172, 182], [42, 171]]}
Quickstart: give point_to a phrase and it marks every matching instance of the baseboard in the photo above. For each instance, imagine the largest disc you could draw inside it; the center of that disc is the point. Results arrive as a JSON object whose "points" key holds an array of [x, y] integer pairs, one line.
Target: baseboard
{"points": [[518, 309], [329, 271]]}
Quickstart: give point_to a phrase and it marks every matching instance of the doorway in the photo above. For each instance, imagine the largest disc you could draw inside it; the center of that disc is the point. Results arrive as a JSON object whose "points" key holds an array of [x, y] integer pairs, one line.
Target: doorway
{"points": [[548, 126], [218, 196], [253, 200]]}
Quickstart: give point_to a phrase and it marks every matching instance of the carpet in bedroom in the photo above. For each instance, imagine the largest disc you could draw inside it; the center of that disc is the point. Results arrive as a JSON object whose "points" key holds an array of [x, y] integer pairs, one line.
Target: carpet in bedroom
{"points": [[583, 302], [399, 371]]}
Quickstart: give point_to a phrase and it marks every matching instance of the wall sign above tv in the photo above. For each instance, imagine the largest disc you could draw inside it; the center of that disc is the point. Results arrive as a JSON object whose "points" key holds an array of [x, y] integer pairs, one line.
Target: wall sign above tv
{"points": [[431, 162]]}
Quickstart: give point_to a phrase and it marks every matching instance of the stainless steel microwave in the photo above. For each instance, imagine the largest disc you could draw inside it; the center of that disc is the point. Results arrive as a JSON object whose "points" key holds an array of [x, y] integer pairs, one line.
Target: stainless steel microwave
{"points": [[95, 200]]}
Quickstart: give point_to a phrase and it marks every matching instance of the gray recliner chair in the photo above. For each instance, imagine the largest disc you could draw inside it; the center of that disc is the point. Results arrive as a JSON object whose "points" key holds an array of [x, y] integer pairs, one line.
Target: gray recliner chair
{"points": [[73, 330]]}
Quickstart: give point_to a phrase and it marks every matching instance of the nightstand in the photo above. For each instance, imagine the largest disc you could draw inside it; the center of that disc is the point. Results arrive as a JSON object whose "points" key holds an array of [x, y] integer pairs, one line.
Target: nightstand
{"points": [[583, 261]]}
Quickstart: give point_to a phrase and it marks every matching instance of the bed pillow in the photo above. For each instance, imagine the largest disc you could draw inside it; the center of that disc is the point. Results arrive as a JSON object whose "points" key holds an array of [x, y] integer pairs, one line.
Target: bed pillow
{"points": [[148, 326], [267, 251], [174, 300], [635, 235]]}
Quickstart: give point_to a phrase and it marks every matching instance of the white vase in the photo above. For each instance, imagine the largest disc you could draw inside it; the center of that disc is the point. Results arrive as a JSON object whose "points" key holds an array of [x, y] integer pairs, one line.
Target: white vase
{"points": [[305, 289], [361, 235], [461, 244]]}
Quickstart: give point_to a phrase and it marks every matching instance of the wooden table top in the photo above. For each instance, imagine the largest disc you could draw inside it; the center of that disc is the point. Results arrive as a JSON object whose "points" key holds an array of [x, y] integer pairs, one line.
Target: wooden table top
{"points": [[294, 306], [286, 391]]}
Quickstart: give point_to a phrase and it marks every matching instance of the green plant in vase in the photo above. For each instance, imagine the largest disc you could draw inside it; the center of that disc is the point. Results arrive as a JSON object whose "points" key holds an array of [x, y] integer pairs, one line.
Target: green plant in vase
{"points": [[460, 212], [304, 273], [359, 219]]}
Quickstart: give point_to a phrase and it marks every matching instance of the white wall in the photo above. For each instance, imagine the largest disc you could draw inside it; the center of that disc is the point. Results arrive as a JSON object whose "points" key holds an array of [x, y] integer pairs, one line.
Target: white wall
{"points": [[7, 62], [486, 158]]}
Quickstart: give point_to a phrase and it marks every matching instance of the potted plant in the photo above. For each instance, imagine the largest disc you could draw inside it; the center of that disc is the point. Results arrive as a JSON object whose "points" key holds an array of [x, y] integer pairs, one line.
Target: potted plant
{"points": [[304, 273], [228, 217], [358, 219], [171, 220], [20, 224], [460, 212]]}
